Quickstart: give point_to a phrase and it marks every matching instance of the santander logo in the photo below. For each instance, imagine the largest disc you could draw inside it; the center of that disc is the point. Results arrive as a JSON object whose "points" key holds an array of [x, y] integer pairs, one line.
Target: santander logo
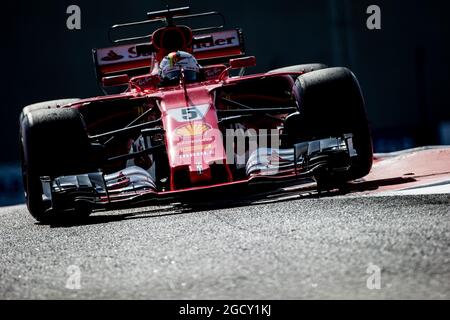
{"points": [[125, 53], [219, 40], [112, 56]]}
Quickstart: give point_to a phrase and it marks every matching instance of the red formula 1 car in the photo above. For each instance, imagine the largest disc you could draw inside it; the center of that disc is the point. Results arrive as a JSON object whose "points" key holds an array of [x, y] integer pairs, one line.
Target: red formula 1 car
{"points": [[192, 138]]}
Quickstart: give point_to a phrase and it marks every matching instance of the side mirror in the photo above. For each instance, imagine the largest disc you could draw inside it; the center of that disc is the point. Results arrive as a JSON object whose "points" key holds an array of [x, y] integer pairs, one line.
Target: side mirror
{"points": [[114, 81], [244, 62]]}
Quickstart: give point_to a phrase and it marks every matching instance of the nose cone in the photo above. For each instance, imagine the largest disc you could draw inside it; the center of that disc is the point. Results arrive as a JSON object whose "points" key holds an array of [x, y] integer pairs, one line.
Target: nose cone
{"points": [[194, 141]]}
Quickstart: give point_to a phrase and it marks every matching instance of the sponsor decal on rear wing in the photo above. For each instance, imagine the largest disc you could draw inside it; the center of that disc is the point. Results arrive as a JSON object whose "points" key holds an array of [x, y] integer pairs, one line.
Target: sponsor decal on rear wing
{"points": [[221, 47], [126, 59]]}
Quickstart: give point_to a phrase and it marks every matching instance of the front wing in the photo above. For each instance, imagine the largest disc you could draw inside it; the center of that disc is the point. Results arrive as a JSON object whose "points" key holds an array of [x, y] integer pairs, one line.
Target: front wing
{"points": [[266, 167]]}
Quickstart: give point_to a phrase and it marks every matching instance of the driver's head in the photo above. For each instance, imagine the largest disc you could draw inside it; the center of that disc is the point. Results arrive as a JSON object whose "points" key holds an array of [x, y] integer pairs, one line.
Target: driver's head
{"points": [[170, 67]]}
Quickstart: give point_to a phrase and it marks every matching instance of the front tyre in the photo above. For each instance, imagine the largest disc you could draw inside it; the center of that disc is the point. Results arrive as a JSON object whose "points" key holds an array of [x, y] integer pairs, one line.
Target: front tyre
{"points": [[53, 142], [331, 104]]}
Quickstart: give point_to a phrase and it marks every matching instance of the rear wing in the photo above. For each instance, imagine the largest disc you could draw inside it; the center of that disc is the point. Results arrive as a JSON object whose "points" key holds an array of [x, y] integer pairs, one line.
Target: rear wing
{"points": [[130, 59]]}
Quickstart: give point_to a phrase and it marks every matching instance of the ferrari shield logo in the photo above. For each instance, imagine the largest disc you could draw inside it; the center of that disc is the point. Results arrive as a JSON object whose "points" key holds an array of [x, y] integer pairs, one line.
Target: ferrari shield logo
{"points": [[192, 130]]}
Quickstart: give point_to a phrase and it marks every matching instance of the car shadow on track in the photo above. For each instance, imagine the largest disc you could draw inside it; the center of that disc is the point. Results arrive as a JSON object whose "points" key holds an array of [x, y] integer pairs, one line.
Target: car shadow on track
{"points": [[100, 217]]}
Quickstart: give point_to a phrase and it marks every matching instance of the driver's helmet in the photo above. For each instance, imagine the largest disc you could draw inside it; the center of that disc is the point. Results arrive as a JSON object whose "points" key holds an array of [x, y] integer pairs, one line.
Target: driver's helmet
{"points": [[170, 67]]}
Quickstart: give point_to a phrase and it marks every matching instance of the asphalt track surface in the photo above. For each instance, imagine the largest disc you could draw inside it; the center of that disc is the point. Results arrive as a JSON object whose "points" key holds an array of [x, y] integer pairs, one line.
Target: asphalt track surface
{"points": [[297, 247]]}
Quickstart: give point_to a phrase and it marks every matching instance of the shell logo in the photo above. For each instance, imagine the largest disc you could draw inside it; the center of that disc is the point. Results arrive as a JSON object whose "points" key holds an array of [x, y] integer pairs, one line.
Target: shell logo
{"points": [[193, 129]]}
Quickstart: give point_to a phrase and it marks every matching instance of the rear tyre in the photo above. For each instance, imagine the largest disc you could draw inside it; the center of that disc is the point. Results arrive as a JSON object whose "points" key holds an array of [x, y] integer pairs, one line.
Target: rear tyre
{"points": [[331, 104], [52, 104], [303, 68], [53, 142]]}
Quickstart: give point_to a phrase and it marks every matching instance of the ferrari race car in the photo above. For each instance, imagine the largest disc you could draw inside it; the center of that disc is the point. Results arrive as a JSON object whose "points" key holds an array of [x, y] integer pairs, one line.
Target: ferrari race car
{"points": [[222, 132]]}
